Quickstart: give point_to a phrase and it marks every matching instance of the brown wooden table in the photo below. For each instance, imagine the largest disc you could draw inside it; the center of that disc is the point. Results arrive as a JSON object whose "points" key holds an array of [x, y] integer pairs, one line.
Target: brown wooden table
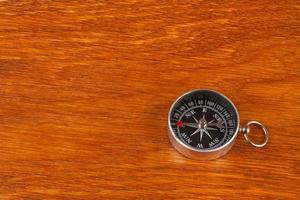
{"points": [[85, 88]]}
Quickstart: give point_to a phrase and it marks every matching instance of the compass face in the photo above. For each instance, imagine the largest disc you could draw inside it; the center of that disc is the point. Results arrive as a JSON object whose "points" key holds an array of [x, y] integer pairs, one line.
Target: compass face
{"points": [[204, 120]]}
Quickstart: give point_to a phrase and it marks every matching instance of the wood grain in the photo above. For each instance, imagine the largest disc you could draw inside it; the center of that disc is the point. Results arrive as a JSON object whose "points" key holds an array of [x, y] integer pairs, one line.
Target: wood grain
{"points": [[85, 87]]}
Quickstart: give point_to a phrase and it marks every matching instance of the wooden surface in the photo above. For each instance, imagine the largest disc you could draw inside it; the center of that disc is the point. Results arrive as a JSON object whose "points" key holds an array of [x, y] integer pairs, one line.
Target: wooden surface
{"points": [[85, 88]]}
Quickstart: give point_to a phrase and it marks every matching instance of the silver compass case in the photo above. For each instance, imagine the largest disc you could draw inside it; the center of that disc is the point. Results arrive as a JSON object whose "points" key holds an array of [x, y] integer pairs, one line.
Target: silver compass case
{"points": [[203, 124]]}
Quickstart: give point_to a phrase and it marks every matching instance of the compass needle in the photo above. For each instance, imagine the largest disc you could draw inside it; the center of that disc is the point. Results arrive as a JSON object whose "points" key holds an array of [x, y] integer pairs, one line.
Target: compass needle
{"points": [[211, 121], [195, 119], [201, 134], [207, 133], [196, 132], [210, 128], [192, 125]]}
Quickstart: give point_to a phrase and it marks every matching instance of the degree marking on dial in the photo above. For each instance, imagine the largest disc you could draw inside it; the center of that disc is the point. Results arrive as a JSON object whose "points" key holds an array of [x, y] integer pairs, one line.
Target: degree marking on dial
{"points": [[178, 111], [195, 101], [224, 109], [216, 103], [185, 105]]}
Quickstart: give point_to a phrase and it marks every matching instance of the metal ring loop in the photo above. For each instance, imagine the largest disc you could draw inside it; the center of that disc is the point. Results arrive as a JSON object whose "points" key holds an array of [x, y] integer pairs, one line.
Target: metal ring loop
{"points": [[246, 132]]}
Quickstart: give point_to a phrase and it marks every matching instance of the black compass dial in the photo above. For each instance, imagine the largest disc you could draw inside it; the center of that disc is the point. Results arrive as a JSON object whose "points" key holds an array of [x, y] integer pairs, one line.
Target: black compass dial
{"points": [[204, 119]]}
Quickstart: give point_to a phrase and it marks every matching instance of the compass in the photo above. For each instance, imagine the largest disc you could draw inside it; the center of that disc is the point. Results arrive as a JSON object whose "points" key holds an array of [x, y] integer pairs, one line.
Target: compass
{"points": [[203, 124]]}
